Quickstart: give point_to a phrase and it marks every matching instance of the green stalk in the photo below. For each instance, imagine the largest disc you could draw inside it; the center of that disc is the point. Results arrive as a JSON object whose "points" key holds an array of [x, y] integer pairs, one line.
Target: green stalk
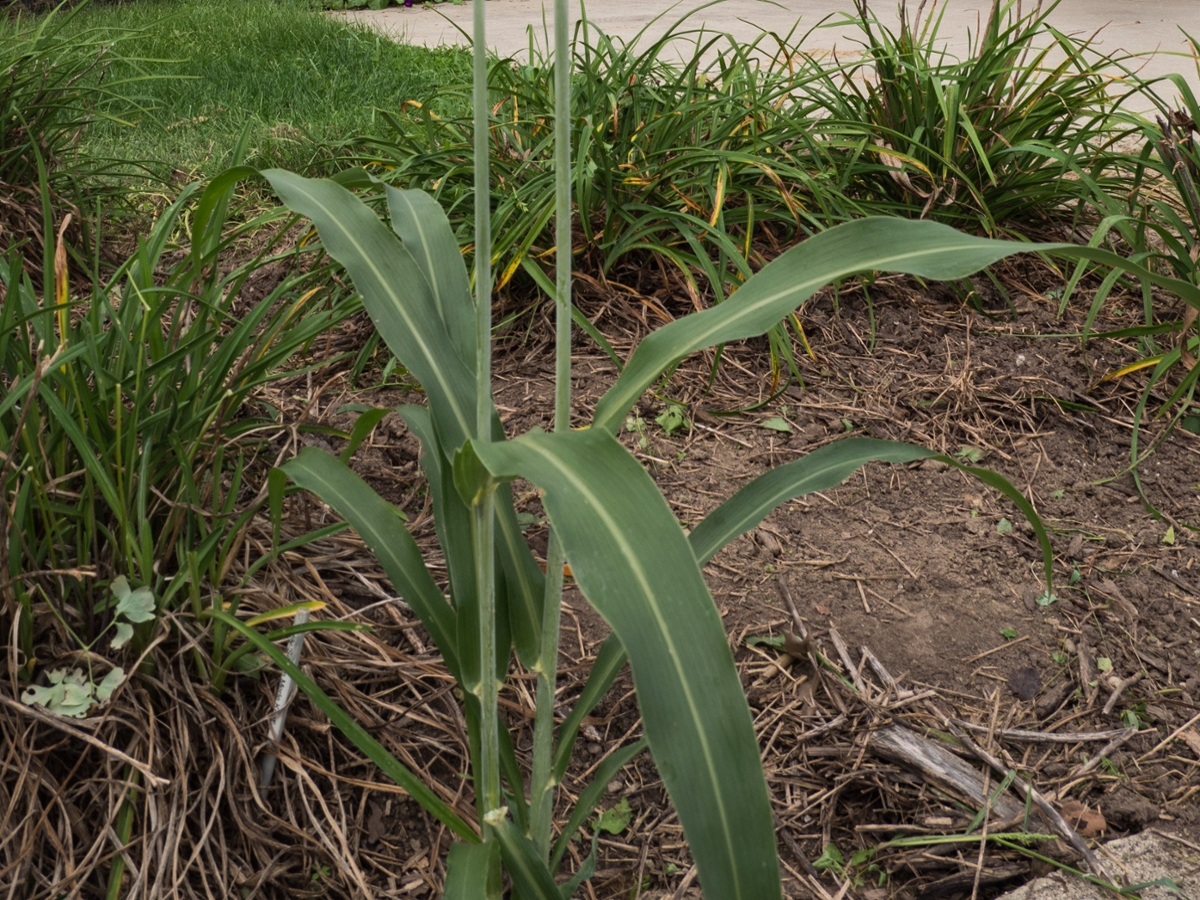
{"points": [[124, 828], [488, 782], [542, 783]]}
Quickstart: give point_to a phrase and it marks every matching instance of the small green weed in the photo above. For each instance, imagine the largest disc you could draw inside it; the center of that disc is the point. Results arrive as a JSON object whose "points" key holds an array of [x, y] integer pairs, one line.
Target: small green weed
{"points": [[73, 693], [859, 869], [615, 819], [673, 419]]}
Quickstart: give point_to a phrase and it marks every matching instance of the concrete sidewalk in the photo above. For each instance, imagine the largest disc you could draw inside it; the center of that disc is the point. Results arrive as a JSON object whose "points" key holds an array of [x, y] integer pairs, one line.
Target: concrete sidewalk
{"points": [[1147, 29]]}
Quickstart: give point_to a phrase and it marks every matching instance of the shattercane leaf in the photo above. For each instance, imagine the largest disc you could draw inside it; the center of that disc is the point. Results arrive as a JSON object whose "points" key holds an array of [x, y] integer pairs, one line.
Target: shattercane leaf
{"points": [[423, 227], [632, 561], [426, 324], [359, 735], [609, 661], [927, 249], [828, 467], [379, 525], [591, 795], [395, 291], [527, 869], [469, 867], [522, 582]]}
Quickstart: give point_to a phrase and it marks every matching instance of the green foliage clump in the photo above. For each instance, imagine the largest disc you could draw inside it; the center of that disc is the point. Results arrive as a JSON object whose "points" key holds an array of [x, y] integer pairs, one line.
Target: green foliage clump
{"points": [[989, 142], [51, 87], [125, 424], [712, 165]]}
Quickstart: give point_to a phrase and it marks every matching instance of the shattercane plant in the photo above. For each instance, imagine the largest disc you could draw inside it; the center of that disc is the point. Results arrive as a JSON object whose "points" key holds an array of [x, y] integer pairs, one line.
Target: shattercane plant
{"points": [[628, 554]]}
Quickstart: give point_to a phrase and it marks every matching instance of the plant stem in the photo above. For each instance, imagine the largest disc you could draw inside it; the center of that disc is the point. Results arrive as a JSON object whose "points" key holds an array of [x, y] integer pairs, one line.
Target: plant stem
{"points": [[488, 776], [483, 534], [562, 215], [483, 234], [542, 782]]}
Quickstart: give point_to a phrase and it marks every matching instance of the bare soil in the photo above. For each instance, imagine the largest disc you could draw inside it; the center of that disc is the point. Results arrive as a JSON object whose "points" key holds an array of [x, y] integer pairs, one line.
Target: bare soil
{"points": [[934, 573]]}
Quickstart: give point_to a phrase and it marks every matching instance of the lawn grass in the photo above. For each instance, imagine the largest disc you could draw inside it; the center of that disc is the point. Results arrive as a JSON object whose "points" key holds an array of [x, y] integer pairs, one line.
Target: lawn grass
{"points": [[293, 75]]}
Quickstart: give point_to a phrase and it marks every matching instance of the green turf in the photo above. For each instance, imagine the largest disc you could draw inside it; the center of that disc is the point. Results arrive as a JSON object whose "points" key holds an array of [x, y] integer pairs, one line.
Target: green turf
{"points": [[293, 74]]}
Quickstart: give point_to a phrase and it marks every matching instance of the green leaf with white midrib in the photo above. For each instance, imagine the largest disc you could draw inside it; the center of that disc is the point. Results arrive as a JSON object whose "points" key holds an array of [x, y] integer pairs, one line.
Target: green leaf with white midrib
{"points": [[421, 224], [425, 316], [632, 560], [378, 524], [589, 797], [451, 519], [523, 580], [828, 467], [823, 468], [395, 293], [608, 664], [468, 869], [926, 249], [531, 879], [392, 767]]}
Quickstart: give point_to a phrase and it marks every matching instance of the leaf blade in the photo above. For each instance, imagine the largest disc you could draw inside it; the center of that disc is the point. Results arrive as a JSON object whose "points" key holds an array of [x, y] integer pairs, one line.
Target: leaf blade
{"points": [[362, 739], [632, 561], [926, 249], [377, 524], [605, 669], [421, 224], [395, 293], [824, 468]]}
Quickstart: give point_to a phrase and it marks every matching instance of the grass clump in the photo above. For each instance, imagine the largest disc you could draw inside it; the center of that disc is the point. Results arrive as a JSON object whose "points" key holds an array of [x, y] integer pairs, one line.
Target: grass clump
{"points": [[1156, 223], [713, 165], [695, 164], [988, 143], [294, 77], [52, 85], [126, 421]]}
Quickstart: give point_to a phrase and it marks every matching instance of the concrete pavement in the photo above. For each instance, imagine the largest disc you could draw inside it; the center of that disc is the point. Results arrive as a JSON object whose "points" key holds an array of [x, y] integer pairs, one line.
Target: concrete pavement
{"points": [[1149, 30]]}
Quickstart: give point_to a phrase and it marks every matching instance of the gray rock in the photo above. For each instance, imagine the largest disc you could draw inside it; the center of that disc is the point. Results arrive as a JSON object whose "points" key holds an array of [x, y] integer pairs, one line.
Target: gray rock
{"points": [[1136, 859]]}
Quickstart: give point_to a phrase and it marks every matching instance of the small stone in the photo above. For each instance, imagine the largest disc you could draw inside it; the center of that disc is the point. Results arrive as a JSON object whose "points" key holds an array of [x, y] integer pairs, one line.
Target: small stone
{"points": [[594, 748], [1075, 548], [615, 785]]}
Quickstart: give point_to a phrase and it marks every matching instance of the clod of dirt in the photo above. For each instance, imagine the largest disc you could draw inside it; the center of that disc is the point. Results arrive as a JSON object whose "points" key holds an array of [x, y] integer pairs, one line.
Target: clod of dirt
{"points": [[1075, 548], [1128, 811], [1053, 699], [1025, 682]]}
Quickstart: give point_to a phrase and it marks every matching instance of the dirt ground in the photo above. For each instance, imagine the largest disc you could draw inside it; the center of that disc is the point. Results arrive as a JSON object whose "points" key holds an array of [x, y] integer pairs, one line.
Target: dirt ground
{"points": [[917, 586], [935, 574]]}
